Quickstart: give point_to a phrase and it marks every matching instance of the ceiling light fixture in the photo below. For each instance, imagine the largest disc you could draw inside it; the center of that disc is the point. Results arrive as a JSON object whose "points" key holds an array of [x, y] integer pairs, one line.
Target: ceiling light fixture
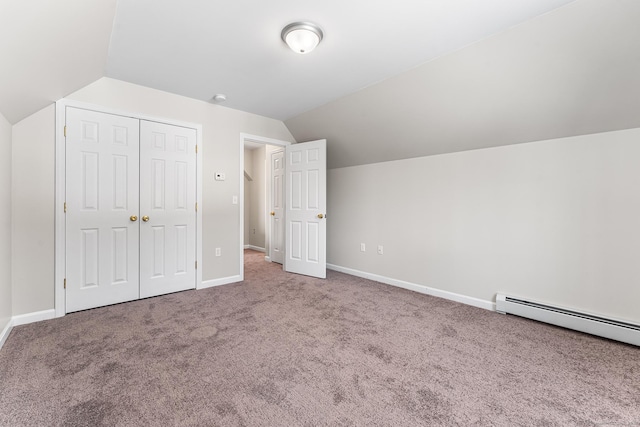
{"points": [[302, 37]]}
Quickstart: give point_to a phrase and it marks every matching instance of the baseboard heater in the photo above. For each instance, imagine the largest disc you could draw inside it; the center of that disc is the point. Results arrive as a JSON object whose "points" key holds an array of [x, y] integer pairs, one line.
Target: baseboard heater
{"points": [[583, 322]]}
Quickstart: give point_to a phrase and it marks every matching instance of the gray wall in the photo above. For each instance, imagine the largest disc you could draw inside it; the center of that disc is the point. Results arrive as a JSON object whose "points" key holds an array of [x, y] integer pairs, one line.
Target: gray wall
{"points": [[33, 189], [5, 222], [254, 197], [32, 197], [257, 209], [248, 171], [555, 220]]}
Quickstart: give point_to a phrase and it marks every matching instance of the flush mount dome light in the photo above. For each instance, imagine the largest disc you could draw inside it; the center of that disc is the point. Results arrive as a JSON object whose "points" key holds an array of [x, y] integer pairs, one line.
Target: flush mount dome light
{"points": [[302, 37]]}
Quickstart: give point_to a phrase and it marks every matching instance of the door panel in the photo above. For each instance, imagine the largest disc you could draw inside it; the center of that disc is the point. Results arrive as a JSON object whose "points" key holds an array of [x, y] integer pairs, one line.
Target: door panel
{"points": [[168, 197], [102, 193], [277, 207], [306, 208]]}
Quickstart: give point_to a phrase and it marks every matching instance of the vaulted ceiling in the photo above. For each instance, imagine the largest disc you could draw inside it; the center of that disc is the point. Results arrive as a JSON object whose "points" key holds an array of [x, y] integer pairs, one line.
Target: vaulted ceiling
{"points": [[391, 79]]}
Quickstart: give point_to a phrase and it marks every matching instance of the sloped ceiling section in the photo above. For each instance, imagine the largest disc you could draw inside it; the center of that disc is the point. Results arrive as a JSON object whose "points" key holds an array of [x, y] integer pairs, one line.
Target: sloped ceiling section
{"points": [[573, 71], [199, 48], [49, 49]]}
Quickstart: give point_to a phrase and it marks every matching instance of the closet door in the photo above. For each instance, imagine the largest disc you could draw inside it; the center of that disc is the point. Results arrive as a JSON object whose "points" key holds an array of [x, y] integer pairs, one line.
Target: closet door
{"points": [[167, 208], [101, 209]]}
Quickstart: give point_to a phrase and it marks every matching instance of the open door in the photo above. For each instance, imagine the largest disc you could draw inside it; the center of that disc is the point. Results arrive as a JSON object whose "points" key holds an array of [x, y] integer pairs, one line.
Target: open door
{"points": [[306, 205]]}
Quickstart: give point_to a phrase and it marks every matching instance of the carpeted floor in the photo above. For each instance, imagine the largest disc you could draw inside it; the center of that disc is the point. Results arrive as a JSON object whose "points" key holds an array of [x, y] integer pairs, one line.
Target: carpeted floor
{"points": [[286, 350]]}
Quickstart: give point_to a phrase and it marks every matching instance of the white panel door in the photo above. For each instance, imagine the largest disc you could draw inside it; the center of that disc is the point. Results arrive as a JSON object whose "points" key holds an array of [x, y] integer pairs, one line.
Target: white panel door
{"points": [[167, 208], [101, 209], [306, 204], [277, 207]]}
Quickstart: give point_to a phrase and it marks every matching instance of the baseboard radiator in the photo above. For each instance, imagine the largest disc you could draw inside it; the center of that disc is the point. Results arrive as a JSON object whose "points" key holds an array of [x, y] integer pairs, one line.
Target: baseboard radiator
{"points": [[583, 322]]}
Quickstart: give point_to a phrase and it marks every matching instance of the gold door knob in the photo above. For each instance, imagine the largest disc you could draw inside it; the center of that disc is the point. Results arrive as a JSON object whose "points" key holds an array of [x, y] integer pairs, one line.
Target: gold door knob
{"points": [[133, 218], [145, 218], [273, 213], [320, 216]]}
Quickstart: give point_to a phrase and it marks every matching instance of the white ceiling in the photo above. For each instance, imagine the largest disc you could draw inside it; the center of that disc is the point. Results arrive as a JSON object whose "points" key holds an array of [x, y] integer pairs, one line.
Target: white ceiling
{"points": [[49, 49], [392, 79], [199, 48], [574, 71]]}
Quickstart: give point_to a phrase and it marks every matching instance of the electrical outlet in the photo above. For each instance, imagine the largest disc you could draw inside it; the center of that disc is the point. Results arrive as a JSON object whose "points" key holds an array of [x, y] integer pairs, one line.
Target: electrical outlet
{"points": [[218, 252], [362, 247], [234, 200], [380, 250]]}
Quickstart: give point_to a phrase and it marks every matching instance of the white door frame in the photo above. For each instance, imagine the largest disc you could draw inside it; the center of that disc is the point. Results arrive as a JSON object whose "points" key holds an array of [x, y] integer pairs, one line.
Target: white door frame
{"points": [[245, 137], [60, 186]]}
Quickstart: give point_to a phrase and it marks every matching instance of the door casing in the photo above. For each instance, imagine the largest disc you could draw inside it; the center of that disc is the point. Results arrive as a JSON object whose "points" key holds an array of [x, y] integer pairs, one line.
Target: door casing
{"points": [[60, 185]]}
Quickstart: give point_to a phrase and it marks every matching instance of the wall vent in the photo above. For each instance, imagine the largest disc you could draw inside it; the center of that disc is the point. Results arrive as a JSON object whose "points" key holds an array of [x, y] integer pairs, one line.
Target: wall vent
{"points": [[583, 322]]}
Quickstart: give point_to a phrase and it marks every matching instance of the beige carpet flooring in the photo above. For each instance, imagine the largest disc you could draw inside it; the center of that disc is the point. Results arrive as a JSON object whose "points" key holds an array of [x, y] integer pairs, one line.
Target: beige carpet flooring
{"points": [[286, 350]]}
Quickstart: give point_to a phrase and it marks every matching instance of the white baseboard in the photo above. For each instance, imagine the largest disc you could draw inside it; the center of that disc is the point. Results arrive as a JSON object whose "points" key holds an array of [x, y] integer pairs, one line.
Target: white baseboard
{"points": [[5, 332], [219, 282], [37, 316], [255, 248], [464, 299], [23, 319]]}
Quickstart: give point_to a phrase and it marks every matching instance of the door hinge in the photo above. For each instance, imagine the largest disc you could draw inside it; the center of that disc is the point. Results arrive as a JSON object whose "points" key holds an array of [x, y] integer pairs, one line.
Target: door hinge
{"points": [[196, 148], [196, 206], [65, 207], [65, 131], [196, 265], [65, 283]]}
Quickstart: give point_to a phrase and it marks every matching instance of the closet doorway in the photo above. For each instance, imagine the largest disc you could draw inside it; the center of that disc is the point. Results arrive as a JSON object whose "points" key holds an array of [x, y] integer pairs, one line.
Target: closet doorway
{"points": [[129, 226]]}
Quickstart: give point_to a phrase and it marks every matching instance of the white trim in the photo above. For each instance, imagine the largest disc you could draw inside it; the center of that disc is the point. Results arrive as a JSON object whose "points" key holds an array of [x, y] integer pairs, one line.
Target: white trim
{"points": [[199, 201], [254, 248], [36, 316], [222, 281], [23, 319], [246, 137], [267, 258], [60, 230], [5, 332], [60, 167], [464, 299]]}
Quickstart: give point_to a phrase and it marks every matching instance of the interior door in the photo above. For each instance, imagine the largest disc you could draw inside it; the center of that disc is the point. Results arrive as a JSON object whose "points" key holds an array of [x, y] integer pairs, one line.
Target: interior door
{"points": [[101, 209], [277, 207], [306, 204], [167, 208]]}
